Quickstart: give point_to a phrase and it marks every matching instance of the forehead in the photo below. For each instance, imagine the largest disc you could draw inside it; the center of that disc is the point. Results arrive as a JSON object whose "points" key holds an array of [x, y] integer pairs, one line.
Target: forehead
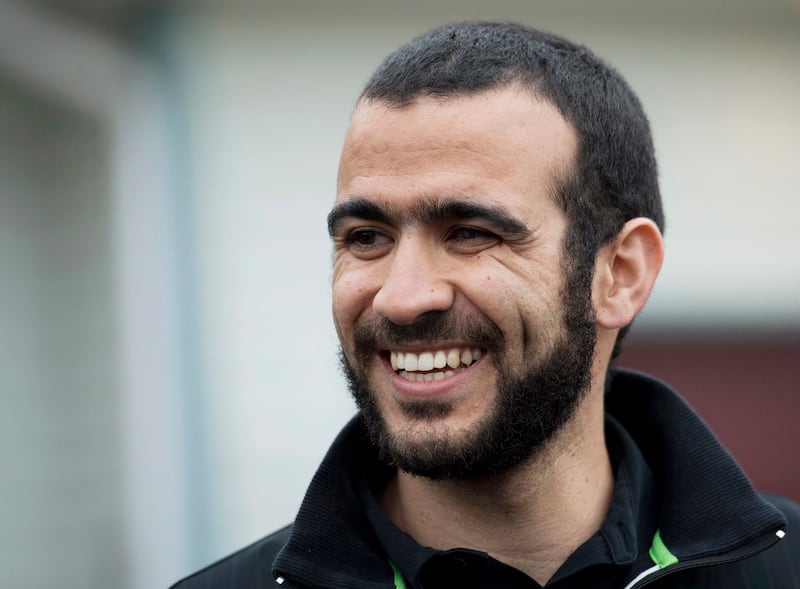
{"points": [[504, 145]]}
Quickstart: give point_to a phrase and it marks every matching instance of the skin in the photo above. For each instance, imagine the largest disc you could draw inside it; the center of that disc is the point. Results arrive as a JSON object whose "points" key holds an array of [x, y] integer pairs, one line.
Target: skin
{"points": [[500, 150]]}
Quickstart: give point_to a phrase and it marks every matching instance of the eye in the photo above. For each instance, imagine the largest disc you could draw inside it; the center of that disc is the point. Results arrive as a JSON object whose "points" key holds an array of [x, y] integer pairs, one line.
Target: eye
{"points": [[366, 238], [467, 234], [367, 242], [470, 239]]}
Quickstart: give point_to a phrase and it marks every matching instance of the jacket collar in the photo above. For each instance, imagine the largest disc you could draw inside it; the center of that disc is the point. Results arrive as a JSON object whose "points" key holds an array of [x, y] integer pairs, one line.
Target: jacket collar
{"points": [[332, 543], [708, 506]]}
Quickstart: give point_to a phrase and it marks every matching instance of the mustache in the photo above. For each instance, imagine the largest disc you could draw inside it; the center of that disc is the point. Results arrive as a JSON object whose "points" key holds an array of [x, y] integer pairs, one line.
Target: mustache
{"points": [[380, 333]]}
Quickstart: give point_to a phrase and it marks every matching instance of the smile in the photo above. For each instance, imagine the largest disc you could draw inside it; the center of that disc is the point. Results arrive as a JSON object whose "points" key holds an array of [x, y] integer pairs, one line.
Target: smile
{"points": [[432, 365]]}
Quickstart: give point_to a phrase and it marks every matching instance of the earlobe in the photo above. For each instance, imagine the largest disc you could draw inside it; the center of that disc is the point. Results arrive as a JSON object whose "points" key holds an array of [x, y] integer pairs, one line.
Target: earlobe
{"points": [[626, 269]]}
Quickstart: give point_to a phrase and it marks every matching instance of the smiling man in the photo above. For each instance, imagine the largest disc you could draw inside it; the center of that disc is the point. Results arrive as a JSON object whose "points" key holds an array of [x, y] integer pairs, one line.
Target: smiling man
{"points": [[497, 227]]}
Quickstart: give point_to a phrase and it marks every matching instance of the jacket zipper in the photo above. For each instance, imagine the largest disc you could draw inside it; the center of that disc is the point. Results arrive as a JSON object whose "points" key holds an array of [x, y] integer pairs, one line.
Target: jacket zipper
{"points": [[746, 552]]}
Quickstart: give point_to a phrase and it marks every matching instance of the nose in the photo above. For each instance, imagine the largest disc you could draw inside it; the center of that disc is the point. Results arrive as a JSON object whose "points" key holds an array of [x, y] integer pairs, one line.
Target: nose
{"points": [[414, 284]]}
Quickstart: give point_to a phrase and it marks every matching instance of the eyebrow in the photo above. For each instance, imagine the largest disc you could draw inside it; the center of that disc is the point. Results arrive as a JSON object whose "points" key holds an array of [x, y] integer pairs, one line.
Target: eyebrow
{"points": [[427, 212]]}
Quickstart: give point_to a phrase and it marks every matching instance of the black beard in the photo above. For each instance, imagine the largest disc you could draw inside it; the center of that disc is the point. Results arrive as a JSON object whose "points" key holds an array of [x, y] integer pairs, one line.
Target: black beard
{"points": [[528, 411]]}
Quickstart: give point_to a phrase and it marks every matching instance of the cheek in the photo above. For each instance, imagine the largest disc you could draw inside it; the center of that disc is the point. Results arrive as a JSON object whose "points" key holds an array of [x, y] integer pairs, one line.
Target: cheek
{"points": [[351, 297], [342, 304], [526, 308]]}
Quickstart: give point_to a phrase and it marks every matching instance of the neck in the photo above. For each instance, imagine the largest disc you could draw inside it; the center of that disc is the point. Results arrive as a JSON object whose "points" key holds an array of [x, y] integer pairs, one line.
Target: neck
{"points": [[531, 517]]}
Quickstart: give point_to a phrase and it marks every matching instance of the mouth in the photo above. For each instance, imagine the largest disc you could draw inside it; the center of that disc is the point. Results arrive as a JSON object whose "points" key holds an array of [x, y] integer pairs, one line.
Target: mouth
{"points": [[431, 365]]}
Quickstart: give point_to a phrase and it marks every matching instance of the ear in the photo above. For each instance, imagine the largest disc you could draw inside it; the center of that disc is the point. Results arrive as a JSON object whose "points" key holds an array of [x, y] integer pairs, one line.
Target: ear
{"points": [[625, 271]]}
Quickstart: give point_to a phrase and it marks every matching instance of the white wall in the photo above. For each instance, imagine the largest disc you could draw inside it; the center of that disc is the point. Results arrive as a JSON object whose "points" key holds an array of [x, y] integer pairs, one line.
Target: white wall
{"points": [[92, 375], [61, 485]]}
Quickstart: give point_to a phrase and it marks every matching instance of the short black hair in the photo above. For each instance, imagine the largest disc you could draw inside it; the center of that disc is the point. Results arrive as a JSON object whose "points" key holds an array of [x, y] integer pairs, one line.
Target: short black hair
{"points": [[615, 176]]}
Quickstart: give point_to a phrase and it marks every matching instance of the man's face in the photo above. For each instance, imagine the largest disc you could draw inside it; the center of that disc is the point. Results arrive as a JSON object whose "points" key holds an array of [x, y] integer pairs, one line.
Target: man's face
{"points": [[465, 342]]}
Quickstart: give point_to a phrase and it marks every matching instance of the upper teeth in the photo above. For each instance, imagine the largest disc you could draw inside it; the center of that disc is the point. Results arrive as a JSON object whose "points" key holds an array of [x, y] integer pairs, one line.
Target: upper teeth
{"points": [[413, 362]]}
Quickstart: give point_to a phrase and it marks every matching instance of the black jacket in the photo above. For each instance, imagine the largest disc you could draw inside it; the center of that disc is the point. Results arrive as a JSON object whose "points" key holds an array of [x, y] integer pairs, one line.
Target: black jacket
{"points": [[714, 529]]}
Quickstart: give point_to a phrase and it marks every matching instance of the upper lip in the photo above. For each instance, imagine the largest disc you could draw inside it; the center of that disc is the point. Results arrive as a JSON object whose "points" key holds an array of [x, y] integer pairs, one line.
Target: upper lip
{"points": [[428, 346]]}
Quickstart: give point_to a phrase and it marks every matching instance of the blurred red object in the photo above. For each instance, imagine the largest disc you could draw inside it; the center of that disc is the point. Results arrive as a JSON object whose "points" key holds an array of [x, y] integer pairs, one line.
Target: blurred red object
{"points": [[746, 387]]}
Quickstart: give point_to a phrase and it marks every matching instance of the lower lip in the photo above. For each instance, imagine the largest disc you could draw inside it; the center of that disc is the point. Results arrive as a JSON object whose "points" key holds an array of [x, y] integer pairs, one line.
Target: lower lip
{"points": [[432, 388]]}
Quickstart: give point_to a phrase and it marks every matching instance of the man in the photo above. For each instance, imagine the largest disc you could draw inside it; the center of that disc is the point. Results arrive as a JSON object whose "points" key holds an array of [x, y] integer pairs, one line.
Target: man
{"points": [[497, 227]]}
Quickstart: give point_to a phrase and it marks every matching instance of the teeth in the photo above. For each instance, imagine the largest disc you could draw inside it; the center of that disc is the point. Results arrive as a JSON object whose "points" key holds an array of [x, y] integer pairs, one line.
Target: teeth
{"points": [[453, 358], [427, 377], [433, 360], [466, 357], [425, 361]]}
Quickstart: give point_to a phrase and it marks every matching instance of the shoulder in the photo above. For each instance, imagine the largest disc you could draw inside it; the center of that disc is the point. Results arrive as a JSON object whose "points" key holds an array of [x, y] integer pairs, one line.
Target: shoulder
{"points": [[786, 506], [779, 562], [777, 566], [247, 568], [791, 511]]}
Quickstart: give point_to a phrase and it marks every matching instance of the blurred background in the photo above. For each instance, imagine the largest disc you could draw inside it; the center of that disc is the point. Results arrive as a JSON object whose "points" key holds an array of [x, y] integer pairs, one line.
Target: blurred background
{"points": [[168, 368]]}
